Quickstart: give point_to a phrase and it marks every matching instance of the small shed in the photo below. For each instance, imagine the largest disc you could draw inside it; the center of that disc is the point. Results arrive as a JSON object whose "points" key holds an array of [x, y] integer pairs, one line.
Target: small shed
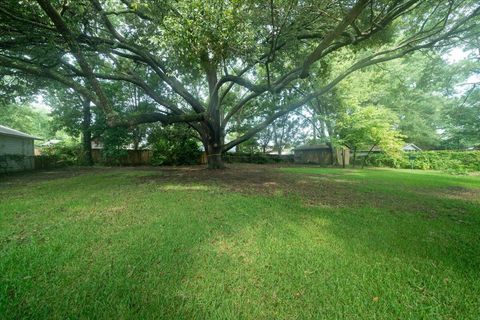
{"points": [[411, 147], [16, 150], [323, 154]]}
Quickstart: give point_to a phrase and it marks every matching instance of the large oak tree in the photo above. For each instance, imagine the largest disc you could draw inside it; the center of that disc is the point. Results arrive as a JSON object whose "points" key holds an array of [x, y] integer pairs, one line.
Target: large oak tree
{"points": [[204, 62]]}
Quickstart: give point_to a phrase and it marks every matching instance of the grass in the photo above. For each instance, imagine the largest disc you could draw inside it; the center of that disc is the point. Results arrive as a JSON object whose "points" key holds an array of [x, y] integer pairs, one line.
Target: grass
{"points": [[141, 244]]}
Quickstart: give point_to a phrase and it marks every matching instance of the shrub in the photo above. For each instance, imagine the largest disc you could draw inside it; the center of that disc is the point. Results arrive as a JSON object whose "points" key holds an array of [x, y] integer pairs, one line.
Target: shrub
{"points": [[174, 145], [114, 142], [450, 161], [64, 154], [257, 158]]}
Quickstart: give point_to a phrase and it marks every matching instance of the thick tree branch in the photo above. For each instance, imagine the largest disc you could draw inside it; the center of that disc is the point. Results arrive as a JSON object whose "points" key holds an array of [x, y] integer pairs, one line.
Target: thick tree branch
{"points": [[158, 117], [330, 37], [70, 38], [132, 78], [373, 59], [150, 60], [46, 73]]}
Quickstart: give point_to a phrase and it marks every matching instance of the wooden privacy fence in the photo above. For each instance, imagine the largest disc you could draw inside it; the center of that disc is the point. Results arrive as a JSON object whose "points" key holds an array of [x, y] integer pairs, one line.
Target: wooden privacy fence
{"points": [[47, 162], [132, 157], [259, 158]]}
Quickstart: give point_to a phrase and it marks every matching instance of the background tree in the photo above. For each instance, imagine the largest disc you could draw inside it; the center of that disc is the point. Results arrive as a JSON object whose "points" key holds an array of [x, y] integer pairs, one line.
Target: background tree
{"points": [[287, 132], [72, 113], [462, 116], [26, 119], [367, 128], [413, 88]]}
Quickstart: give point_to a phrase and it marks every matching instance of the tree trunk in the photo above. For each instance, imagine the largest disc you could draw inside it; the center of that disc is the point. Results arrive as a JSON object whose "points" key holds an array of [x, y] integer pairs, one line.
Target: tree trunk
{"points": [[214, 148], [366, 157], [332, 154], [215, 130], [354, 156], [87, 134], [314, 132], [214, 157]]}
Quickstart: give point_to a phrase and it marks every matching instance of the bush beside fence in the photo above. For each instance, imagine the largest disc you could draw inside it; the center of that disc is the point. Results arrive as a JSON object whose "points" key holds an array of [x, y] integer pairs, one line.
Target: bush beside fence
{"points": [[129, 158], [430, 160], [258, 158]]}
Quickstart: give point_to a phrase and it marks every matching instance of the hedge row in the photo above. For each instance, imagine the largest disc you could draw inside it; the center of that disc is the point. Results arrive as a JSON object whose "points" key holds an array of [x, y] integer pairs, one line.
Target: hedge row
{"points": [[430, 160]]}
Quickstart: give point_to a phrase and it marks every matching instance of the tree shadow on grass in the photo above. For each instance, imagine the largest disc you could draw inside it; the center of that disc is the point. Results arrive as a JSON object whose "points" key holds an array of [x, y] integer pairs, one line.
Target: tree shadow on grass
{"points": [[296, 260], [402, 249]]}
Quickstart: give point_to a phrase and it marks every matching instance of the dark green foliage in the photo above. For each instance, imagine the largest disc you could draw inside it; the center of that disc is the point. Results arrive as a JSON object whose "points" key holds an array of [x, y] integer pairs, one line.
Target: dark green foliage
{"points": [[115, 141], [158, 56], [174, 145], [258, 158], [453, 161], [63, 154]]}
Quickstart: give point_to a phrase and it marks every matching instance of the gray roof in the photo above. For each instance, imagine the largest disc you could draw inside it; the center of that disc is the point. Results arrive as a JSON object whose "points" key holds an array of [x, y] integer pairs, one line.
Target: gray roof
{"points": [[411, 147], [312, 147], [12, 132]]}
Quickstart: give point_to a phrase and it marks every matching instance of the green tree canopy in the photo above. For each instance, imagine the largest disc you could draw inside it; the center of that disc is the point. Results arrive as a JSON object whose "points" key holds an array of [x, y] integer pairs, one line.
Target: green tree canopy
{"points": [[204, 62]]}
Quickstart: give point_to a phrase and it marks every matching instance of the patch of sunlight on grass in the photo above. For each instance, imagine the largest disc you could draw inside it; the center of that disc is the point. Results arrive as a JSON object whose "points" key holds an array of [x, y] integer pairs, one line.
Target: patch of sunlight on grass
{"points": [[180, 187]]}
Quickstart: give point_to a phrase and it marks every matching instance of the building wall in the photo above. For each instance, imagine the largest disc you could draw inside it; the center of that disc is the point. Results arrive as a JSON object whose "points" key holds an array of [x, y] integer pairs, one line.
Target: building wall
{"points": [[16, 153]]}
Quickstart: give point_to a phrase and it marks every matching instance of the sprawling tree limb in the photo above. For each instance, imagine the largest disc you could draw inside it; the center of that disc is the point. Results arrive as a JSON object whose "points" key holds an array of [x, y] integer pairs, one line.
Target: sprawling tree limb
{"points": [[159, 117], [152, 61], [330, 37], [27, 21], [239, 106], [394, 12], [240, 81], [46, 73], [373, 59], [70, 38], [132, 78]]}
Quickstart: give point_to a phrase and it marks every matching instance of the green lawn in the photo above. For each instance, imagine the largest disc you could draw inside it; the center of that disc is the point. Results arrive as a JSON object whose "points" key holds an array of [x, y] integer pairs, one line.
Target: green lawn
{"points": [[279, 243]]}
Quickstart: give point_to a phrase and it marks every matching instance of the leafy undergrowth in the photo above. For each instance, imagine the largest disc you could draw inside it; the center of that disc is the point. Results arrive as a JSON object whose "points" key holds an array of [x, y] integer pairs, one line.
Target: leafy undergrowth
{"points": [[250, 242]]}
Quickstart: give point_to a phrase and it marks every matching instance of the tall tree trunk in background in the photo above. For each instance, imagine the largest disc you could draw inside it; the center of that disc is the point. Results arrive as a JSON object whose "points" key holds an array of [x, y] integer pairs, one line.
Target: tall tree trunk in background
{"points": [[322, 130], [354, 156], [87, 133], [332, 153], [366, 157]]}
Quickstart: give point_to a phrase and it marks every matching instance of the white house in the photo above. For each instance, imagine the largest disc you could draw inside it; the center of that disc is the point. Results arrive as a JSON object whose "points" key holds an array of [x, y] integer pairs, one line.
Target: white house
{"points": [[16, 150]]}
